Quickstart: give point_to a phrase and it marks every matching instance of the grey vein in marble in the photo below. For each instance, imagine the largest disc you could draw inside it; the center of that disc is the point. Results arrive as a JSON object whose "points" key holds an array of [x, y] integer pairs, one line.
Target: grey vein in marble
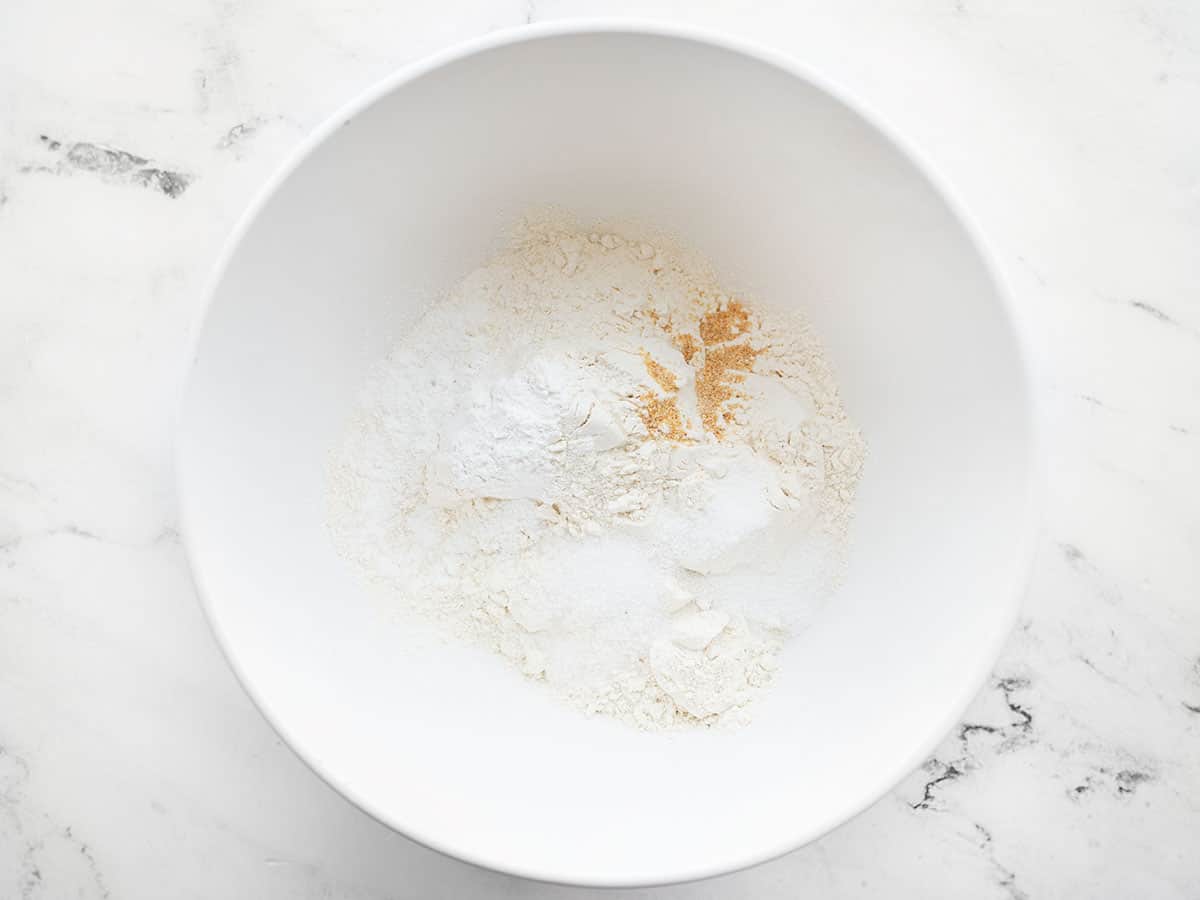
{"points": [[52, 861], [112, 164]]}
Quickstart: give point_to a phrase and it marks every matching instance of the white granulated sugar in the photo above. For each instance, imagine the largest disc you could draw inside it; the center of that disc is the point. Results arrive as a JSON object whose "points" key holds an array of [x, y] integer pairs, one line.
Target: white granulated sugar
{"points": [[591, 460]]}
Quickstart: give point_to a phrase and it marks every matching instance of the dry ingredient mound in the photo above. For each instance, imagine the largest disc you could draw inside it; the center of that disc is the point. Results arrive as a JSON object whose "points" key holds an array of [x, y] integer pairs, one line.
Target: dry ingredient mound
{"points": [[594, 461]]}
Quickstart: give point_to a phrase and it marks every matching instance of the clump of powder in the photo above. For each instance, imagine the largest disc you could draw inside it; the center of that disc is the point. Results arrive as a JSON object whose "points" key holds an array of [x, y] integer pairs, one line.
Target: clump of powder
{"points": [[617, 476]]}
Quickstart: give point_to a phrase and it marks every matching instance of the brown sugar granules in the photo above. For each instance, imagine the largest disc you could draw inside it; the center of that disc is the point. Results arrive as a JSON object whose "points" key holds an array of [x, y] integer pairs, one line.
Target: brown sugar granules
{"points": [[660, 373], [725, 323], [720, 368], [688, 346], [662, 417], [724, 367]]}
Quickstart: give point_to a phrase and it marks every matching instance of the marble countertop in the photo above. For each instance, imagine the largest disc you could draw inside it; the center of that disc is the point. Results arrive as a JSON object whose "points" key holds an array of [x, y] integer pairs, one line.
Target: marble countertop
{"points": [[134, 132]]}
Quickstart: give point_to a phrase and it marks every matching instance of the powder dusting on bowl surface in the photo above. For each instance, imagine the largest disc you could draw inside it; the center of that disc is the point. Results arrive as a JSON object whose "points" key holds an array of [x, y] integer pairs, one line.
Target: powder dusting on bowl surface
{"points": [[591, 459]]}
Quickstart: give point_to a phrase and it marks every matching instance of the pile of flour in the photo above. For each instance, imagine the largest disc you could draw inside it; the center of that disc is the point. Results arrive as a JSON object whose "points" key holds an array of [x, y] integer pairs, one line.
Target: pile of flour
{"points": [[593, 461]]}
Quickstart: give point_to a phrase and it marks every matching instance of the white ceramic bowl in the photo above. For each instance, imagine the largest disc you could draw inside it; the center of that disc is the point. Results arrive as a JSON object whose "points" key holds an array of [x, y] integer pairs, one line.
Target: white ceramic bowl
{"points": [[796, 195]]}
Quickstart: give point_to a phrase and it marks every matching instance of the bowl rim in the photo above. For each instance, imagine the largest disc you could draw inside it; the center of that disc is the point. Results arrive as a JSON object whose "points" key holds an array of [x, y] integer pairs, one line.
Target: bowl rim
{"points": [[883, 782]]}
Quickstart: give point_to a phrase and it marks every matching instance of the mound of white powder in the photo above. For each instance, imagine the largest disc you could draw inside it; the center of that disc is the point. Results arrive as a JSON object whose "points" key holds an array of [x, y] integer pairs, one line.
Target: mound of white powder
{"points": [[591, 460]]}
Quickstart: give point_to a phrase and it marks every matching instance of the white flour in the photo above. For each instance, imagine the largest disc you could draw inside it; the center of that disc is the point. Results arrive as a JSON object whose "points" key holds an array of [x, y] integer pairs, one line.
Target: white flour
{"points": [[591, 460]]}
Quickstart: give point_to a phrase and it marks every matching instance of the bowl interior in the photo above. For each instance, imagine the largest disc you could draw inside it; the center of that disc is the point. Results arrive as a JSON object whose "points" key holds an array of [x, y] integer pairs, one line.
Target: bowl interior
{"points": [[796, 199]]}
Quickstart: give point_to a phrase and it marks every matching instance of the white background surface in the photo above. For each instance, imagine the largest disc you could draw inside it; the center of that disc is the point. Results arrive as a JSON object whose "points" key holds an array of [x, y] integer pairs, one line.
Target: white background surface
{"points": [[132, 766]]}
